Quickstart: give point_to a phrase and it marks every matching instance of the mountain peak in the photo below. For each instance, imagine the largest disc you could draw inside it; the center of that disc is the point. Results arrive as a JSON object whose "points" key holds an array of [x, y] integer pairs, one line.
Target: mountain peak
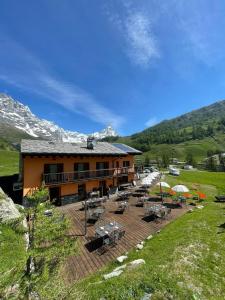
{"points": [[17, 115]]}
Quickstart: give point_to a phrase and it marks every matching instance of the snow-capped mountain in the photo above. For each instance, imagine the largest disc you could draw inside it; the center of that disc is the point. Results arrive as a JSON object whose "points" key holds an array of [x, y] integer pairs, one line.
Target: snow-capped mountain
{"points": [[19, 116]]}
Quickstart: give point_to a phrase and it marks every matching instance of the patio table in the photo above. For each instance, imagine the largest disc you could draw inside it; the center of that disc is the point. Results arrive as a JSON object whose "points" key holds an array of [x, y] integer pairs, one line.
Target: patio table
{"points": [[142, 200], [110, 232], [157, 210], [96, 213], [94, 202], [122, 206], [124, 195]]}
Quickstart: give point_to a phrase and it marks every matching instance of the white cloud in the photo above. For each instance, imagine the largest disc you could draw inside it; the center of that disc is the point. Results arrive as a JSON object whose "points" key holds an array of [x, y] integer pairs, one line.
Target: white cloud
{"points": [[136, 30], [26, 72], [141, 43], [151, 122]]}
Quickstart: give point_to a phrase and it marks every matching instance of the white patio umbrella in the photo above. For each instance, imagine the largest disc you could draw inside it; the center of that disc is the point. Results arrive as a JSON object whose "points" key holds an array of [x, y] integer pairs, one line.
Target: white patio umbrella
{"points": [[163, 184], [180, 188]]}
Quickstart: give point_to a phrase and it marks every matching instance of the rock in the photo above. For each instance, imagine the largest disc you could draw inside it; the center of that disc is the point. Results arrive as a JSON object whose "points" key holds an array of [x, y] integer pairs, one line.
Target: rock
{"points": [[24, 223], [12, 291], [120, 268], [149, 237], [158, 231], [121, 259], [136, 263], [48, 213], [27, 240], [34, 296], [146, 296], [8, 210], [190, 210], [142, 243], [200, 206], [139, 246], [113, 274]]}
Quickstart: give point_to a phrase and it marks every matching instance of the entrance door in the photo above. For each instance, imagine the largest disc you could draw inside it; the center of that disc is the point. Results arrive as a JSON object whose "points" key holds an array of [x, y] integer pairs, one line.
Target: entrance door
{"points": [[102, 188], [54, 194], [82, 191]]}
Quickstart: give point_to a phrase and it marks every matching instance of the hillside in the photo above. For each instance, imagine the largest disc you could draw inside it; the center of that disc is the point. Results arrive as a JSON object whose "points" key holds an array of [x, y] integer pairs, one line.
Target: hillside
{"points": [[10, 137], [197, 132]]}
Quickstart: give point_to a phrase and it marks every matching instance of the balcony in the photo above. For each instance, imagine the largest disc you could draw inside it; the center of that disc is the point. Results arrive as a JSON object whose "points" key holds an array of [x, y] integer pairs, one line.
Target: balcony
{"points": [[68, 177]]}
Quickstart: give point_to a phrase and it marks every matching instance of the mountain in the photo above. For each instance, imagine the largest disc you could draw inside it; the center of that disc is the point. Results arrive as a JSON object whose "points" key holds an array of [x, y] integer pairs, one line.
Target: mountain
{"points": [[199, 131], [19, 118]]}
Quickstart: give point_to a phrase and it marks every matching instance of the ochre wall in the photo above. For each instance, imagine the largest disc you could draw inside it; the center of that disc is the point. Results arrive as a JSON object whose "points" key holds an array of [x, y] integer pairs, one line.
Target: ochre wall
{"points": [[33, 168]]}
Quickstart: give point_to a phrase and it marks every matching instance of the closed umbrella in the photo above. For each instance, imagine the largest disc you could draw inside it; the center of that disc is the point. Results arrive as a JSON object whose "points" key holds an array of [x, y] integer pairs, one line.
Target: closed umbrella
{"points": [[180, 188]]}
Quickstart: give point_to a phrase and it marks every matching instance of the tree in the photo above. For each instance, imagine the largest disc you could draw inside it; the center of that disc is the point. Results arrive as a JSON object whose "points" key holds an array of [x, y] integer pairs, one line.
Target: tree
{"points": [[147, 160], [190, 159], [211, 164], [49, 242], [165, 160]]}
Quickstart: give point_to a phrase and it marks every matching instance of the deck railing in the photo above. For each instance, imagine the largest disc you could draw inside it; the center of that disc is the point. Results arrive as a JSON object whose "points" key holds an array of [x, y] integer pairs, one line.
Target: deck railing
{"points": [[79, 176]]}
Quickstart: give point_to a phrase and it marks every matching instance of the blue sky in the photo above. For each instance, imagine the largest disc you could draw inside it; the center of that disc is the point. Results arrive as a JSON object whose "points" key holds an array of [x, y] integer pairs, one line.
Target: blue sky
{"points": [[85, 64]]}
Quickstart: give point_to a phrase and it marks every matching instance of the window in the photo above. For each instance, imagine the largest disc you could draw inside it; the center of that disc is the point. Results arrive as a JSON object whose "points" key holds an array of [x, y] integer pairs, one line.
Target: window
{"points": [[53, 168], [126, 163], [81, 170], [102, 165], [53, 173], [102, 169]]}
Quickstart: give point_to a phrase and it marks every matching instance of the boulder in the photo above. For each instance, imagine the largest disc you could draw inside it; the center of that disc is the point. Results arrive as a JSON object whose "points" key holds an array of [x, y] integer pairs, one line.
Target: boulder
{"points": [[149, 237], [121, 259], [136, 263], [139, 246], [112, 274], [200, 206], [146, 296], [8, 210], [120, 268]]}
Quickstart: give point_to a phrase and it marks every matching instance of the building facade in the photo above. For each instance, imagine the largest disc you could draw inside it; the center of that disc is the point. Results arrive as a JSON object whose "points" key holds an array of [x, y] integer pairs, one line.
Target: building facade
{"points": [[71, 171]]}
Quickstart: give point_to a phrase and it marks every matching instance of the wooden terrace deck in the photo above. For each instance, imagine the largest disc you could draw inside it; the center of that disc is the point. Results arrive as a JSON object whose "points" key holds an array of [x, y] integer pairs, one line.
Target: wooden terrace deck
{"points": [[86, 262]]}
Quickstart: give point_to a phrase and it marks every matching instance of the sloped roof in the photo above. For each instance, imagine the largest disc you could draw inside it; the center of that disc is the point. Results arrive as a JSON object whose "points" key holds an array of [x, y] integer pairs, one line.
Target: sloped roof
{"points": [[127, 149], [55, 147]]}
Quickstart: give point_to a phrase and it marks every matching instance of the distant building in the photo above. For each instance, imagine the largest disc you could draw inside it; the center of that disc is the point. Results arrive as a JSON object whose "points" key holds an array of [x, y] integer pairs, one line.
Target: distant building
{"points": [[70, 171]]}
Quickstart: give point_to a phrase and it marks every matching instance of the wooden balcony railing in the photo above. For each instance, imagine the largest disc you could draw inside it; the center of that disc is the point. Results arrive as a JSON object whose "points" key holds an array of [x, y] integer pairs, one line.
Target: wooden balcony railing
{"points": [[65, 177]]}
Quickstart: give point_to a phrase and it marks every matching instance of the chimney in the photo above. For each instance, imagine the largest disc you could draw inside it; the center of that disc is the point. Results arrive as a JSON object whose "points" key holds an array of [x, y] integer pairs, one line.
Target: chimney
{"points": [[91, 142]]}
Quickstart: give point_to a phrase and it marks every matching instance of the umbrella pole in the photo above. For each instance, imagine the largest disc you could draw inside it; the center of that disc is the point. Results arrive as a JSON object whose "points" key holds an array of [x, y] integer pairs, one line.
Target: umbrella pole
{"points": [[161, 192]]}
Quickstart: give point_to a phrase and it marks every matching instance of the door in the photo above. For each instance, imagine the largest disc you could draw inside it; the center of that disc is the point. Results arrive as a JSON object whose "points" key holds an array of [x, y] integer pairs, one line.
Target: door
{"points": [[102, 188], [102, 169], [81, 170], [53, 173], [54, 194], [82, 191]]}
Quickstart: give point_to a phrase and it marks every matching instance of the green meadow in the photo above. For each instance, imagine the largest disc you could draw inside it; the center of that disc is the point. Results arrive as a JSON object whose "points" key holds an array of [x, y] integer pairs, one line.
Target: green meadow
{"points": [[9, 162], [184, 261]]}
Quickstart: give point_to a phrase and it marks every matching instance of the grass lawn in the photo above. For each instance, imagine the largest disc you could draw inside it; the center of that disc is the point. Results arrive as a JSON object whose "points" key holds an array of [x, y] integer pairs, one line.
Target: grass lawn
{"points": [[12, 256], [9, 162], [184, 261]]}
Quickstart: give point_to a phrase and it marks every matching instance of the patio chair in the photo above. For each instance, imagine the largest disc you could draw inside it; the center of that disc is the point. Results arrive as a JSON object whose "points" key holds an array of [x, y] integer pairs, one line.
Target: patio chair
{"points": [[101, 250]]}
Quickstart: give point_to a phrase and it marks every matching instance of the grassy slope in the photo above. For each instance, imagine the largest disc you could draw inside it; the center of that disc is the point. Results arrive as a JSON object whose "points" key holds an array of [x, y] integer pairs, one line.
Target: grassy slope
{"points": [[198, 148], [13, 256], [9, 162], [184, 261]]}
